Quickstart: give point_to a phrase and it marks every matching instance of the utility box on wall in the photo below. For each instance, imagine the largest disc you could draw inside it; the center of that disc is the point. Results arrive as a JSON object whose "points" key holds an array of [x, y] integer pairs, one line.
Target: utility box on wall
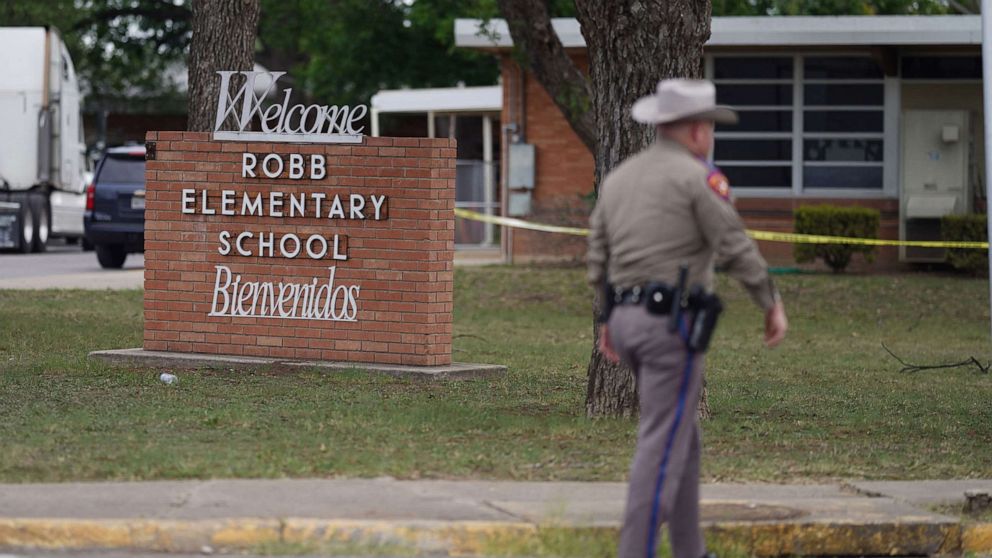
{"points": [[934, 177], [522, 164], [520, 179]]}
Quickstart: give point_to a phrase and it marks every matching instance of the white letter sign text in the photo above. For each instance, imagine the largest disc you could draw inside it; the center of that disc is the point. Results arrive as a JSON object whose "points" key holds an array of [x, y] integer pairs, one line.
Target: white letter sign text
{"points": [[281, 122]]}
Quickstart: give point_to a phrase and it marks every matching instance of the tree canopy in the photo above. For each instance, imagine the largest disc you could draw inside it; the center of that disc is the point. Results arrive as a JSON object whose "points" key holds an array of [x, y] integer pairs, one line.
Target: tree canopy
{"points": [[131, 53], [123, 50], [340, 51], [347, 50]]}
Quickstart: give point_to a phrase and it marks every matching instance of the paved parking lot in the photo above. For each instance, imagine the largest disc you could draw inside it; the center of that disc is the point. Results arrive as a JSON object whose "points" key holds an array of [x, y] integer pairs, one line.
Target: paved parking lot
{"points": [[67, 267]]}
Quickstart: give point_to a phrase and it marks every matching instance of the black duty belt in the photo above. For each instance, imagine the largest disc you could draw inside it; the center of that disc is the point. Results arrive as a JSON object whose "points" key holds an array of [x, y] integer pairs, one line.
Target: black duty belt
{"points": [[657, 297]]}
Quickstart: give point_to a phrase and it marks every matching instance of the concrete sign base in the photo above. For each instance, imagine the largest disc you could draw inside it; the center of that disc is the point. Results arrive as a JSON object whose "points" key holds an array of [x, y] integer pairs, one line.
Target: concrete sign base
{"points": [[172, 360]]}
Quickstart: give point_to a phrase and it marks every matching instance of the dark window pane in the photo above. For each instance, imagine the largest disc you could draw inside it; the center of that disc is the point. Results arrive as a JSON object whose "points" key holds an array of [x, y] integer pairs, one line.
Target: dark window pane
{"points": [[756, 177], [842, 177], [753, 150], [942, 67], [468, 132], [754, 94], [841, 67], [842, 150], [442, 126], [842, 121], [752, 68], [849, 94], [760, 121], [470, 181], [123, 169]]}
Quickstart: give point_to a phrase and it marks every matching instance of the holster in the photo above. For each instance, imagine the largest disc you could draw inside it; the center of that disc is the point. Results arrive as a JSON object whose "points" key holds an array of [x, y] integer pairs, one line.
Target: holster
{"points": [[706, 309], [607, 301]]}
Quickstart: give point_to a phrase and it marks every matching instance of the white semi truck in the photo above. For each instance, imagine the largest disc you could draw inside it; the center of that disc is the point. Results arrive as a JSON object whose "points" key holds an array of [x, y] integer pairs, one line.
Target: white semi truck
{"points": [[42, 150]]}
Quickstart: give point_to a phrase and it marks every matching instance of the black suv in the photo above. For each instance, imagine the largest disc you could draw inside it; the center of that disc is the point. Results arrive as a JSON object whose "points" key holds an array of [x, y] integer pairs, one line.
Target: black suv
{"points": [[115, 206]]}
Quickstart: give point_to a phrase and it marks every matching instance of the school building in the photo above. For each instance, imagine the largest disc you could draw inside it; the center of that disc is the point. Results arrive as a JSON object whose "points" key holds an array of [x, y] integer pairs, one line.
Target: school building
{"points": [[876, 111]]}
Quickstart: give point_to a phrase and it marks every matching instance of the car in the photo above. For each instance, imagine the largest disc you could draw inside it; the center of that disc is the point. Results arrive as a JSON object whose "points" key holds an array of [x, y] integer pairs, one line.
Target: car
{"points": [[115, 206]]}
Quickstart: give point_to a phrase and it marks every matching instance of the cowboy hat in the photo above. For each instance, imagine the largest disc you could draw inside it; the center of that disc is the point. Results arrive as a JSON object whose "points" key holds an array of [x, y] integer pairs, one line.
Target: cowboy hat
{"points": [[682, 99]]}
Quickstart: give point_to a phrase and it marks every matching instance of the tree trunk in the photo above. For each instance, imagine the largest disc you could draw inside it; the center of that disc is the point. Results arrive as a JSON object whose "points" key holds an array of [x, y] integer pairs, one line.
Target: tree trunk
{"points": [[541, 51], [223, 39], [632, 45], [610, 390]]}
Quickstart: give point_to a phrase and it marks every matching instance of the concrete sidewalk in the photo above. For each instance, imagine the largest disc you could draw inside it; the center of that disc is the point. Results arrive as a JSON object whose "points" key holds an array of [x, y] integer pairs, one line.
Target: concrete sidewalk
{"points": [[471, 518]]}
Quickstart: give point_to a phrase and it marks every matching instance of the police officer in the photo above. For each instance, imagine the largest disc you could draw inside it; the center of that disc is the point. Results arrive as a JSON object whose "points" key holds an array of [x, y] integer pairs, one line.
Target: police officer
{"points": [[663, 209]]}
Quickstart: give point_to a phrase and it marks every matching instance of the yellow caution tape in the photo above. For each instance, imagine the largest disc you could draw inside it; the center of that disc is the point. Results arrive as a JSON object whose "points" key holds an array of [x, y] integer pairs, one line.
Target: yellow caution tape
{"points": [[821, 239], [757, 235], [518, 223]]}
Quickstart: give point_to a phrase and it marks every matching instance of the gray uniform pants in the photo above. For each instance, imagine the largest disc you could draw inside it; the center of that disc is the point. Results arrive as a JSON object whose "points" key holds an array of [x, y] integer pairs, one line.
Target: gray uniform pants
{"points": [[664, 477]]}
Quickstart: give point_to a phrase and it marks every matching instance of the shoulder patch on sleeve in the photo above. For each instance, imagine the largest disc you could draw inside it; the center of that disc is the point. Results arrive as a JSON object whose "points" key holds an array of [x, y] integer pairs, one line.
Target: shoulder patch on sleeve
{"points": [[717, 181]]}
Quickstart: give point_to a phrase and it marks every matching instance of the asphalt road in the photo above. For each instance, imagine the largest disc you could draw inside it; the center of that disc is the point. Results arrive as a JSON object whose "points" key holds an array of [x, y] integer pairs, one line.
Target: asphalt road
{"points": [[67, 267]]}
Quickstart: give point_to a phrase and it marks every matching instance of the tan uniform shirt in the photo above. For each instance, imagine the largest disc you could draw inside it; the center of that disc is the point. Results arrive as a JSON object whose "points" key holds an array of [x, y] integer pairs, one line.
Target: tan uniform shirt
{"points": [[657, 211]]}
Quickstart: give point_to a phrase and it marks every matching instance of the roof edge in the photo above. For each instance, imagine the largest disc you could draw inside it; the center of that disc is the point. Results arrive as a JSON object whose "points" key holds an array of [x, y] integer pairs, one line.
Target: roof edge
{"points": [[769, 31]]}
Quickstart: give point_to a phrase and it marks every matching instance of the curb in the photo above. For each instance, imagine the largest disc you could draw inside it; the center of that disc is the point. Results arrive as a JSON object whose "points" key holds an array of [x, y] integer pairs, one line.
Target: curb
{"points": [[830, 539], [977, 538], [477, 538]]}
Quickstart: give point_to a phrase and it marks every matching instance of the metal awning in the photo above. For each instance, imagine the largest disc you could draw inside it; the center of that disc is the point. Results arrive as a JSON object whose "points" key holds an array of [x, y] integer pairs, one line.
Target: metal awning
{"points": [[449, 99], [770, 31]]}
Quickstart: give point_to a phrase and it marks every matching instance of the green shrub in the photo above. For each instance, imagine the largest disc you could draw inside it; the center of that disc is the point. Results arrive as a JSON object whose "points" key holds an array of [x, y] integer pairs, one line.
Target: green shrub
{"points": [[857, 222], [966, 228]]}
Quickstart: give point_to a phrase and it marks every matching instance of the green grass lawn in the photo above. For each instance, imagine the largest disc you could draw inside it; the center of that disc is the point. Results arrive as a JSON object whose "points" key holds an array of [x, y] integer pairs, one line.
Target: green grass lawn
{"points": [[829, 403]]}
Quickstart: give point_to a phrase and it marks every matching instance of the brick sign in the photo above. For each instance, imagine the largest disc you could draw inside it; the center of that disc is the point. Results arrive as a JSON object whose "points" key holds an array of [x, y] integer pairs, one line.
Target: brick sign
{"points": [[338, 252]]}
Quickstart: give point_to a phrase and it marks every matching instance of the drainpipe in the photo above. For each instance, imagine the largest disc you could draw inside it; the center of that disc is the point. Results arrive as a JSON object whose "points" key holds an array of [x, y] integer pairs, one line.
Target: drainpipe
{"points": [[987, 110]]}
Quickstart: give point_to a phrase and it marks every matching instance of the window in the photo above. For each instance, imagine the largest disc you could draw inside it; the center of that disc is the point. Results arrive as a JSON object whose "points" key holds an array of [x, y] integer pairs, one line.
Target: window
{"points": [[843, 115], [807, 123], [833, 150], [756, 153], [942, 67], [834, 67], [123, 169]]}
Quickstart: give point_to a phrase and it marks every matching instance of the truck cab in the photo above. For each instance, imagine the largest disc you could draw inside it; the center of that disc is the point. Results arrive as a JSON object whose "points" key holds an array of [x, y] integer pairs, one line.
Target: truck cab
{"points": [[42, 150]]}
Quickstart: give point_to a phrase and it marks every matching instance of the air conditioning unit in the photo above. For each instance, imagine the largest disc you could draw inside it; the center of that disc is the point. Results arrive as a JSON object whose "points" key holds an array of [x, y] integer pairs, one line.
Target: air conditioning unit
{"points": [[934, 177]]}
